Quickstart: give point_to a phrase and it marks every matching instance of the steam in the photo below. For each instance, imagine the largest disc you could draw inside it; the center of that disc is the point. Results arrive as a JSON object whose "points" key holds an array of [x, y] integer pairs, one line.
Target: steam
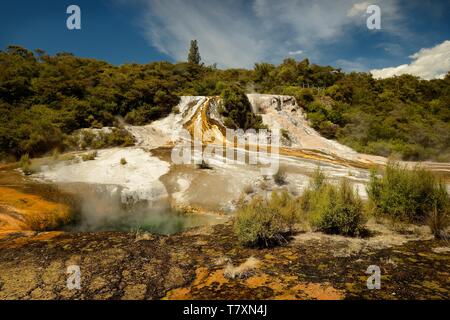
{"points": [[101, 209]]}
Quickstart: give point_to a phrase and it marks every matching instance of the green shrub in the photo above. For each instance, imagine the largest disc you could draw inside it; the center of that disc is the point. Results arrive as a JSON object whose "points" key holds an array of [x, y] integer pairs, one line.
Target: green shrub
{"points": [[409, 195], [144, 115], [123, 161], [310, 194], [285, 134], [87, 138], [318, 179], [266, 222], [89, 156], [176, 110], [116, 137], [333, 209], [119, 137], [338, 210], [25, 164], [237, 110], [288, 208]]}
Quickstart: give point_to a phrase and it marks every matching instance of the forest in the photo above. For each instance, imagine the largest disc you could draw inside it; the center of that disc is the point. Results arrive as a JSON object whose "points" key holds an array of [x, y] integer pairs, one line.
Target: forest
{"points": [[46, 99]]}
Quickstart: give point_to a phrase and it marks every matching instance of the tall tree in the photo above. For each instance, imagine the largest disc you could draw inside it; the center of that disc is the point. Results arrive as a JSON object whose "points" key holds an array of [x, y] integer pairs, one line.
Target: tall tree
{"points": [[194, 54]]}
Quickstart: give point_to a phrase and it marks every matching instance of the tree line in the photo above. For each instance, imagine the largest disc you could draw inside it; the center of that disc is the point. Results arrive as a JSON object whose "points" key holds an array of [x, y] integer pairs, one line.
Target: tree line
{"points": [[45, 98]]}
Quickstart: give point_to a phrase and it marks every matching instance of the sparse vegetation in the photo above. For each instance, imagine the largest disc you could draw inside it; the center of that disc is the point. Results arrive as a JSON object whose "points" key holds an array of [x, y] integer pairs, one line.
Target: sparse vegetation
{"points": [[266, 222], [123, 161], [25, 164], [176, 110], [409, 195], [55, 154], [439, 221], [285, 135], [87, 139], [89, 156]]}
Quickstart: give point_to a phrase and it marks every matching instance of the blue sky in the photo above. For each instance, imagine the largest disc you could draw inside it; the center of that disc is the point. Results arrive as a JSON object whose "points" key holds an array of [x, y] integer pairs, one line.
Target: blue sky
{"points": [[238, 33]]}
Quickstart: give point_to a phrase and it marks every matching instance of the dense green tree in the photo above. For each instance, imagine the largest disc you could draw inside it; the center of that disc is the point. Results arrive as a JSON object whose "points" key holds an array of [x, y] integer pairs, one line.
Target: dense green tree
{"points": [[237, 110], [194, 53]]}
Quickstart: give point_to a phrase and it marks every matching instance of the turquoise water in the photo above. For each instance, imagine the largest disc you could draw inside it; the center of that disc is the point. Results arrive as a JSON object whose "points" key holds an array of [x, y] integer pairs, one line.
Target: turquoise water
{"points": [[99, 209]]}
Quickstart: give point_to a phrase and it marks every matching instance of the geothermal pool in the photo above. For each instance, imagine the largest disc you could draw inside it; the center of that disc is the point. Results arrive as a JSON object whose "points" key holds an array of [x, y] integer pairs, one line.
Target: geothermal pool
{"points": [[100, 208]]}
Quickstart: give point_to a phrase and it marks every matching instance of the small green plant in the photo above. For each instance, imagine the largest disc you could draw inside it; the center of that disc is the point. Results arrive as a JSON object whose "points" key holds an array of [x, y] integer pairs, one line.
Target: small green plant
{"points": [[123, 161], [264, 223], [280, 177], [310, 194], [89, 156], [176, 110], [285, 134], [439, 221], [318, 178], [55, 154], [25, 164]]}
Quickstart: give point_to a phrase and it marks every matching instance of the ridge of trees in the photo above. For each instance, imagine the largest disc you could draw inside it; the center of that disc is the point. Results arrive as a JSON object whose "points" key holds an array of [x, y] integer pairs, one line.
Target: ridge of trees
{"points": [[45, 98]]}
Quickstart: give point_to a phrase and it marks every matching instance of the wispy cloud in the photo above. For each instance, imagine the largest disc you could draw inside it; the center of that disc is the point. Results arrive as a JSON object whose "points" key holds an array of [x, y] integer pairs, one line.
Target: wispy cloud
{"points": [[295, 53], [357, 65], [428, 63], [222, 30], [358, 9], [236, 33]]}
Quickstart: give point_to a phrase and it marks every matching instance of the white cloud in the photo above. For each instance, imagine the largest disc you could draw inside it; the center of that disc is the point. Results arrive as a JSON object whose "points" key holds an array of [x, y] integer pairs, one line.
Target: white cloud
{"points": [[235, 34], [295, 53], [358, 9], [428, 63], [394, 49], [223, 33]]}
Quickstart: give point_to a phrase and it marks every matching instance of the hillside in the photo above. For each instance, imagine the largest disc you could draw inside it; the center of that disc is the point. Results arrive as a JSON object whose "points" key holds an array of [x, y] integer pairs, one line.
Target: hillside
{"points": [[45, 99]]}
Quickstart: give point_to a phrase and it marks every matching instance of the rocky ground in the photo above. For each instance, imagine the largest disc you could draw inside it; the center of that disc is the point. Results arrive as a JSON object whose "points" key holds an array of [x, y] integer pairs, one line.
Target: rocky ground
{"points": [[207, 263]]}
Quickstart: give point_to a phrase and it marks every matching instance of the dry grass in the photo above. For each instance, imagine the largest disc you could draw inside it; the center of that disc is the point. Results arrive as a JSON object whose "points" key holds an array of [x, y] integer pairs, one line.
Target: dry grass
{"points": [[243, 270], [438, 221]]}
